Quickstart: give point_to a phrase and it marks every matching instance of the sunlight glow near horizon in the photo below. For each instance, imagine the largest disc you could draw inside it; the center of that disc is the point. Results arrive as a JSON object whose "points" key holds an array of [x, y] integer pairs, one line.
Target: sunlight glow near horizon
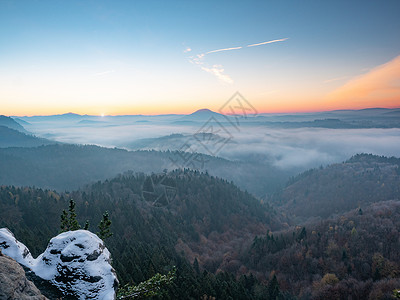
{"points": [[164, 58]]}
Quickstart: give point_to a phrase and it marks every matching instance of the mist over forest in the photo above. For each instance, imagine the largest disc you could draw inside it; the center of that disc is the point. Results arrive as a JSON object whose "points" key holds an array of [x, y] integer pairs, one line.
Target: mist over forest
{"points": [[293, 142], [228, 200]]}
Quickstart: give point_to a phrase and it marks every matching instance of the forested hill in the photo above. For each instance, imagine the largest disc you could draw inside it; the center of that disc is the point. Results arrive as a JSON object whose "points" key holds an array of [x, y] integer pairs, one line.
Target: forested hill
{"points": [[201, 217], [13, 138], [12, 134], [11, 123], [207, 227], [352, 256], [338, 188], [69, 167]]}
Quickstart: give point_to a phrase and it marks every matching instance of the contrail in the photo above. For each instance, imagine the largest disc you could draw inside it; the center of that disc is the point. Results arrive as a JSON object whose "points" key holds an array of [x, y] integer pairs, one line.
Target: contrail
{"points": [[269, 42], [226, 49], [218, 70], [237, 48]]}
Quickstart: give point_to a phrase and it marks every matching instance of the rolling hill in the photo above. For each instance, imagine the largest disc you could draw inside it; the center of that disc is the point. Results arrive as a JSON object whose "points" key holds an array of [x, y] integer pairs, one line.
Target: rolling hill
{"points": [[11, 123], [68, 167], [14, 138], [357, 182], [208, 220]]}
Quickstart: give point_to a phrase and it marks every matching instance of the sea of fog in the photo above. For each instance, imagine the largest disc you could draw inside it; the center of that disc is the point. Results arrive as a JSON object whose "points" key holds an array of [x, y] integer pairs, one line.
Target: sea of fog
{"points": [[299, 148]]}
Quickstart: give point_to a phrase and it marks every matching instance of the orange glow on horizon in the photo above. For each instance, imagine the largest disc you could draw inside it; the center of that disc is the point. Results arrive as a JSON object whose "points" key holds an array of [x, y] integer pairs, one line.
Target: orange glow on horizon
{"points": [[266, 110], [380, 87]]}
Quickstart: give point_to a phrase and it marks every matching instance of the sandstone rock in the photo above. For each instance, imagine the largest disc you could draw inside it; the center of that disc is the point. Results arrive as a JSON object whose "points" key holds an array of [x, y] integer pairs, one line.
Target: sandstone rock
{"points": [[13, 282]]}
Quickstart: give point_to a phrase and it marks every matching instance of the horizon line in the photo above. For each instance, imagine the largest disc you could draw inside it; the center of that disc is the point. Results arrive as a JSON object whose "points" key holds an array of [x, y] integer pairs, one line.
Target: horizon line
{"points": [[183, 114]]}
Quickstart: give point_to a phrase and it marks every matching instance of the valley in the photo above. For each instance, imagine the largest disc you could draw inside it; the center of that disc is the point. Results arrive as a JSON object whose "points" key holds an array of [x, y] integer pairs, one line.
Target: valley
{"points": [[295, 233]]}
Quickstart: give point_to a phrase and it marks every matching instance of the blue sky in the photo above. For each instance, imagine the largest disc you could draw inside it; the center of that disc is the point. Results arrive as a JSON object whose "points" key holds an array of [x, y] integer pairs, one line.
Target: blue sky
{"points": [[132, 56]]}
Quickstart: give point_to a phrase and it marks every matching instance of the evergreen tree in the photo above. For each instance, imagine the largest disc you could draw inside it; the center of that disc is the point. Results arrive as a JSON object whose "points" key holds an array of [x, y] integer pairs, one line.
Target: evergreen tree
{"points": [[196, 266], [68, 219], [86, 226], [104, 227], [302, 235], [273, 289], [149, 288], [64, 221], [148, 185], [73, 222]]}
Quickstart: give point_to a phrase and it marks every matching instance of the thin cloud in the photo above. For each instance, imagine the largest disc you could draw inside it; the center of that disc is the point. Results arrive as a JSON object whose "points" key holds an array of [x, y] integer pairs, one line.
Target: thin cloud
{"points": [[335, 79], [218, 71], [268, 42], [104, 73], [379, 87], [187, 50]]}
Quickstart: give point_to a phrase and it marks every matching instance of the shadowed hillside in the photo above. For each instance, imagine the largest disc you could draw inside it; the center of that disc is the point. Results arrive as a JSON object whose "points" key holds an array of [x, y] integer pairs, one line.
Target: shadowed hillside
{"points": [[208, 221], [11, 123], [67, 167], [14, 138], [358, 182]]}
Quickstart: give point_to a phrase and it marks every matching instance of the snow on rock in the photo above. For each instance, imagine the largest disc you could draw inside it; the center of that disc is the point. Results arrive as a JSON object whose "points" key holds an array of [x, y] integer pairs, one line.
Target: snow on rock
{"points": [[79, 264], [76, 262], [15, 249]]}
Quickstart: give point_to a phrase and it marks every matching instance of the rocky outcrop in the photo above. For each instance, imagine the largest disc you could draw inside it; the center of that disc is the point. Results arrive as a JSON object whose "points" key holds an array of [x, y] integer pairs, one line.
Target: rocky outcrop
{"points": [[76, 262], [79, 264], [13, 282]]}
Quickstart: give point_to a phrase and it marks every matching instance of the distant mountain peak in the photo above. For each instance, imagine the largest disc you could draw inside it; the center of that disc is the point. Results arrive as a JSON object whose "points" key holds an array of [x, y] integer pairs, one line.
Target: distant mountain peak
{"points": [[70, 114], [201, 115], [203, 111]]}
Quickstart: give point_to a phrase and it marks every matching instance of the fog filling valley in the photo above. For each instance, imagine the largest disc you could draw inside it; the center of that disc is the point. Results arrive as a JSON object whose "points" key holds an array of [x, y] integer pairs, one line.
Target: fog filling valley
{"points": [[285, 148]]}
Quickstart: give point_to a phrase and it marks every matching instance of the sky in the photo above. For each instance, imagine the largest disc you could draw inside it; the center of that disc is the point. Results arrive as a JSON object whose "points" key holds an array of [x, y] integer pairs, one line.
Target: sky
{"points": [[162, 57]]}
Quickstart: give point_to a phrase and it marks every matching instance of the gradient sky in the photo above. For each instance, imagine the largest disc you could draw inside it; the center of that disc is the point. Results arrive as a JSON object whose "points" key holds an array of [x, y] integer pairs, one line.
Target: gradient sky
{"points": [[156, 57]]}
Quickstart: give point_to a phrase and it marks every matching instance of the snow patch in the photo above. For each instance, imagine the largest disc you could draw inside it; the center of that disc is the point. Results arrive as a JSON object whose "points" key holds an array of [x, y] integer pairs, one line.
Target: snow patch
{"points": [[15, 249]]}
